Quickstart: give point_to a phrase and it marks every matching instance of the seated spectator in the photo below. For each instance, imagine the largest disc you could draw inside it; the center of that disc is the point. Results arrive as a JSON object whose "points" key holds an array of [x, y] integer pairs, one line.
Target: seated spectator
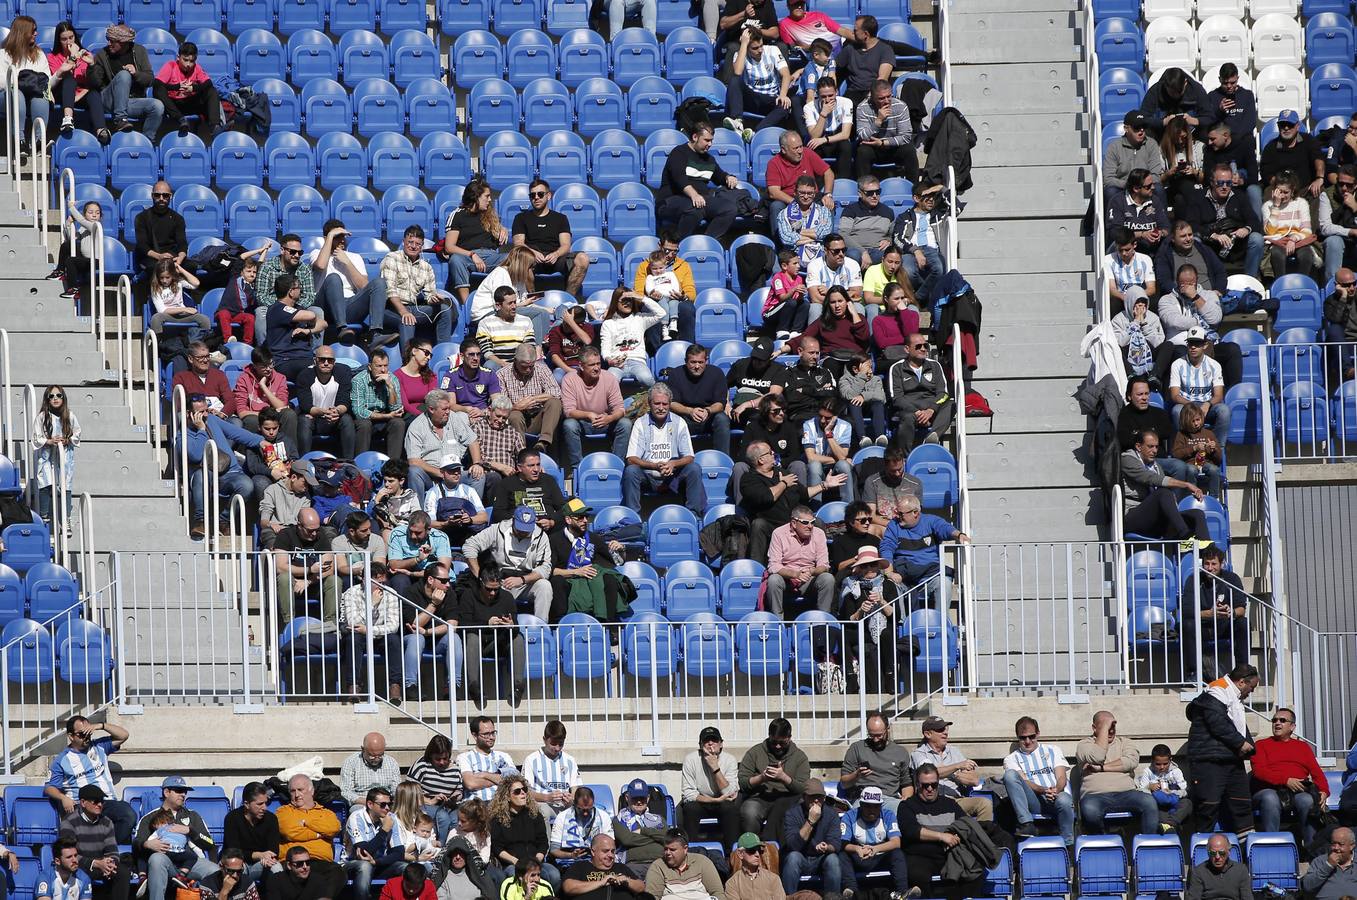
{"points": [[1183, 162], [535, 395], [1218, 596], [238, 300], [371, 831], [1151, 505], [93, 835], [752, 880], [429, 629], [252, 828], [664, 288], [1227, 223], [268, 463], [573, 830], [1219, 877], [680, 269], [694, 189], [168, 282], [1188, 307], [1295, 151], [485, 609], [455, 507], [710, 787], [65, 880], [522, 554], [912, 542], [769, 493], [472, 240], [885, 490], [356, 546], [1341, 151], [1287, 232], [1138, 414], [1238, 154], [393, 503], [1140, 210], [592, 401], [1126, 267], [700, 397], [800, 29], [151, 849], [526, 486], [288, 262], [440, 784], [1165, 782], [798, 563], [1340, 318], [804, 223], [785, 310], [622, 334], [304, 567], [85, 759], [760, 81], [500, 442], [553, 775], [1108, 764], [885, 134], [867, 224], [635, 813], [920, 233], [783, 437], [828, 121], [414, 547], [752, 379], [1037, 778], [435, 435], [502, 334], [518, 833], [118, 68], [416, 378], [201, 377], [160, 231], [1332, 876], [291, 331], [284, 499], [567, 338], [919, 393], [1198, 380], [200, 430], [827, 441], [1233, 105], [660, 457], [1337, 215], [305, 877], [412, 292], [679, 873], [185, 89], [876, 278], [834, 269], [811, 841], [958, 776], [808, 384], [1130, 152], [870, 837], [928, 828], [468, 385], [377, 408], [515, 272], [346, 294], [602, 870], [260, 387], [1198, 449], [867, 593], [1286, 773], [865, 60], [324, 392], [794, 161], [858, 533], [547, 234], [1185, 248], [373, 608], [898, 319], [1139, 332], [584, 568], [773, 774]]}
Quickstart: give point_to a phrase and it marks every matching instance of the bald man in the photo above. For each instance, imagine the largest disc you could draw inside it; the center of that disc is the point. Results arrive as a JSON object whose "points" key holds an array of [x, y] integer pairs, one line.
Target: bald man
{"points": [[305, 569], [1219, 878], [370, 767], [1108, 763], [601, 871], [1340, 315], [304, 823], [1332, 876]]}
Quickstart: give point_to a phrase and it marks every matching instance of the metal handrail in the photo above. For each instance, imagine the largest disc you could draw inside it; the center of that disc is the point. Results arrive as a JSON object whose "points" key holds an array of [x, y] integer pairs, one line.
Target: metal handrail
{"points": [[7, 429], [150, 363], [945, 49], [86, 505], [1119, 578], [179, 427], [13, 130], [42, 172], [1091, 69], [1272, 517], [953, 239], [65, 199], [959, 399], [122, 311], [211, 496], [98, 325]]}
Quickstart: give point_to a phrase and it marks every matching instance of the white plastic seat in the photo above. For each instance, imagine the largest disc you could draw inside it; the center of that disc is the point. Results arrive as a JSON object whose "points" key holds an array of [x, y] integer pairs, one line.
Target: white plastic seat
{"points": [[1222, 39], [1208, 8], [1158, 9], [1211, 79], [1260, 8], [1278, 88], [1278, 41], [1171, 41]]}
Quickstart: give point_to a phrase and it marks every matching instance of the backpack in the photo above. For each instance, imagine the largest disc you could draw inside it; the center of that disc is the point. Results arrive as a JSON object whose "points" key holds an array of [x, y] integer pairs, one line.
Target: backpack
{"points": [[692, 112], [977, 407]]}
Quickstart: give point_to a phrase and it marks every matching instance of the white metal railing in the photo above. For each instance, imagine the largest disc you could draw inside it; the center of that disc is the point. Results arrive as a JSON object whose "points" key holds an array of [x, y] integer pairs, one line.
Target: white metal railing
{"points": [[959, 399], [945, 49], [179, 451], [42, 170], [8, 430], [1272, 515], [1095, 126], [1316, 407], [13, 129], [150, 366], [953, 236]]}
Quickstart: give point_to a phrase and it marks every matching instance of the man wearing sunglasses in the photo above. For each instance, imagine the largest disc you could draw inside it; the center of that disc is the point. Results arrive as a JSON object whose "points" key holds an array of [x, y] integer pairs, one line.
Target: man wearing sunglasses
{"points": [[1293, 150], [546, 233], [367, 833], [1036, 776], [151, 850], [1219, 877], [305, 877], [1337, 216], [287, 262], [1340, 314], [1226, 220], [866, 225], [1286, 773], [160, 230], [233, 881]]}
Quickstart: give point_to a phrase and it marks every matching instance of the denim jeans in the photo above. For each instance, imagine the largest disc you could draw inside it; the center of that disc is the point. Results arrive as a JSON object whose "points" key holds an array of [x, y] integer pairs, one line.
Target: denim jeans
{"points": [[460, 267], [874, 409], [119, 100], [618, 10], [1268, 805], [1253, 254], [638, 369], [574, 429], [816, 472], [159, 868], [1092, 808], [442, 316], [923, 278], [366, 306], [717, 424], [687, 481], [415, 645], [1334, 249], [232, 483], [30, 110], [1025, 801], [362, 873], [795, 864], [851, 865]]}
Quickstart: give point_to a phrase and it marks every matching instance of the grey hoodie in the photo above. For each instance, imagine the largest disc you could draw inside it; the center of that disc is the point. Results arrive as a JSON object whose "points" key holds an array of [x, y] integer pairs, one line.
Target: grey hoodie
{"points": [[1122, 322], [868, 386]]}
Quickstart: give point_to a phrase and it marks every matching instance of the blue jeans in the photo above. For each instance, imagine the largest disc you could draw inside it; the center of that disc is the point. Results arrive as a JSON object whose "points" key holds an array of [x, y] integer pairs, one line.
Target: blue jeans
{"points": [[443, 317], [574, 429], [366, 306], [415, 645], [873, 408], [1025, 801], [444, 820], [923, 278], [851, 865], [1176, 468], [1253, 254], [460, 267], [1092, 808], [687, 481], [795, 864], [119, 100], [638, 369], [718, 424], [1334, 249], [362, 873], [1269, 811], [232, 483], [816, 472], [159, 869], [618, 10], [1217, 418], [30, 110]]}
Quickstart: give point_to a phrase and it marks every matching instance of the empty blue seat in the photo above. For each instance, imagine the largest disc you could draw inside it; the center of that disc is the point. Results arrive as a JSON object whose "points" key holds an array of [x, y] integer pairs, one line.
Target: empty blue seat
{"points": [[311, 54], [1273, 858], [1299, 303], [1044, 864], [250, 213], [326, 107], [1251, 344], [352, 15], [456, 17], [529, 55], [635, 54], [583, 55], [202, 211], [689, 587], [671, 535], [83, 154], [161, 46], [132, 160], [509, 16], [1333, 90], [301, 209], [242, 15], [1121, 91], [260, 55], [707, 258], [404, 206], [512, 201], [672, 14], [289, 160], [142, 14], [51, 590], [601, 106], [764, 147], [739, 583], [216, 54], [30, 814], [648, 647], [1329, 39], [1152, 580], [362, 54], [443, 160], [476, 55], [1158, 863], [762, 645], [356, 206], [936, 469], [731, 152], [614, 159], [377, 107], [582, 206], [565, 15], [599, 480], [429, 107], [562, 157], [284, 107], [1100, 861], [603, 265], [191, 14], [12, 596], [547, 107], [651, 103], [299, 15], [507, 158], [1296, 357], [1124, 9], [1119, 42], [585, 652], [1246, 423], [393, 161], [184, 160], [687, 54], [399, 15], [413, 55], [86, 14], [708, 649], [630, 211], [341, 159], [83, 654]]}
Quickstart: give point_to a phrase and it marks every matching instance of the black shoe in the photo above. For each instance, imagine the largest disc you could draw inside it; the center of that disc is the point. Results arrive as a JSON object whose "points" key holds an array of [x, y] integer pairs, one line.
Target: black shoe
{"points": [[70, 294], [122, 125], [934, 57], [346, 336], [519, 690], [56, 273], [1025, 830], [379, 339]]}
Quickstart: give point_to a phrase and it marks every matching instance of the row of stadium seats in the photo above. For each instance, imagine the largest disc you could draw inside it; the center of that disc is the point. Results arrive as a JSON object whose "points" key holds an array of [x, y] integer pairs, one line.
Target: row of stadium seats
{"points": [[1201, 10], [43, 592], [79, 653]]}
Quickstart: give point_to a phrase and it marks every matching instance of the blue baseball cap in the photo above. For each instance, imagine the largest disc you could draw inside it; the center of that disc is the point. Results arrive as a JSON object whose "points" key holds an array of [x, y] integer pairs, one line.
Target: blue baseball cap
{"points": [[176, 781], [1289, 116], [637, 788], [525, 519]]}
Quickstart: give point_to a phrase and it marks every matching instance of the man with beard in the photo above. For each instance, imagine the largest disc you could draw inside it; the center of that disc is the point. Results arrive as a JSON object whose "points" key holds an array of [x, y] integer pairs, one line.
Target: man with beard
{"points": [[753, 378], [773, 774]]}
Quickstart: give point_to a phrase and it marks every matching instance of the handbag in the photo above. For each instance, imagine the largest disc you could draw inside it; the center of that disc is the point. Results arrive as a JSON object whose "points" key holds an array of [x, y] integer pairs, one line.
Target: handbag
{"points": [[32, 84]]}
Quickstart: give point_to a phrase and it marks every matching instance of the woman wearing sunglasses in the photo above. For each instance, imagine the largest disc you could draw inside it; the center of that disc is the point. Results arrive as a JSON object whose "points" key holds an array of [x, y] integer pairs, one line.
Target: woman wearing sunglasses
{"points": [[56, 434]]}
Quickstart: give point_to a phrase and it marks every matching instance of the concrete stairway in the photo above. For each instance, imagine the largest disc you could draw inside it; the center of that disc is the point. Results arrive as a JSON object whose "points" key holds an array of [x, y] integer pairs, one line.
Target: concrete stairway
{"points": [[1016, 75]]}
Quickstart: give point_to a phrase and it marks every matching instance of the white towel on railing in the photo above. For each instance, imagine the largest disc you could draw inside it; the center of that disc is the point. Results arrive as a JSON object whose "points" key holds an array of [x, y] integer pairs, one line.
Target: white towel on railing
{"points": [[1101, 349]]}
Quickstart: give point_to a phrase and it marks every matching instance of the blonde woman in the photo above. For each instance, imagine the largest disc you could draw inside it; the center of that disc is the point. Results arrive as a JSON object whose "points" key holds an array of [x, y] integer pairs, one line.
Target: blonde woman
{"points": [[516, 271]]}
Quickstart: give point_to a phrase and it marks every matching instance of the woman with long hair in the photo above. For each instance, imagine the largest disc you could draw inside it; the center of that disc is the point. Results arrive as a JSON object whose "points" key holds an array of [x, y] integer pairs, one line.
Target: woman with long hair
{"points": [[517, 830], [841, 331], [56, 434], [1287, 231], [515, 271], [70, 65], [21, 52], [622, 336], [416, 377], [440, 782], [406, 810], [899, 319], [472, 238], [1183, 155], [877, 278], [473, 826]]}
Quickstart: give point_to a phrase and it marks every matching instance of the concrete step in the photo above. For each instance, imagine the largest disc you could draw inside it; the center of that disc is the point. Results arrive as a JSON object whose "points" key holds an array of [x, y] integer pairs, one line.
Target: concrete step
{"points": [[160, 525], [1054, 307], [1026, 515], [1032, 460], [108, 424], [42, 309], [1049, 283], [120, 470], [976, 261], [1030, 138], [1035, 87], [999, 193], [1022, 407], [1039, 356], [1038, 235], [1015, 37], [80, 396], [55, 364]]}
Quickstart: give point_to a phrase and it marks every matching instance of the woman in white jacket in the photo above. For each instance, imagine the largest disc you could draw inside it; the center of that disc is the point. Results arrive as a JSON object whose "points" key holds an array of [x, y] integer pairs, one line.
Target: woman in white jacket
{"points": [[56, 434], [516, 272], [622, 335], [21, 53]]}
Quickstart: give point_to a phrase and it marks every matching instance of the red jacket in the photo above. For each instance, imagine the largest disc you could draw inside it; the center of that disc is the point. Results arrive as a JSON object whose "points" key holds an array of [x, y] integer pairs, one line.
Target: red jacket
{"points": [[392, 890], [1276, 761], [216, 386]]}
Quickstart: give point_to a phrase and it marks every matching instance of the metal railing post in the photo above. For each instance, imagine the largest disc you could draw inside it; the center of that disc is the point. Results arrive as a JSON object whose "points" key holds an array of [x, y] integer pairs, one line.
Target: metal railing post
{"points": [[653, 748], [371, 705], [7, 385], [1073, 695]]}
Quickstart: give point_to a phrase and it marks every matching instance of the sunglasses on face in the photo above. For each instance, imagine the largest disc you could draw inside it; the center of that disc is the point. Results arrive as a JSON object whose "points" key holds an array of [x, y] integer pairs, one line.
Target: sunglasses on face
{"points": [[1281, 721], [872, 193], [300, 864], [804, 521], [537, 194], [518, 790], [1342, 284], [1221, 182], [928, 786], [863, 520], [1027, 737], [234, 873], [293, 251], [56, 396]]}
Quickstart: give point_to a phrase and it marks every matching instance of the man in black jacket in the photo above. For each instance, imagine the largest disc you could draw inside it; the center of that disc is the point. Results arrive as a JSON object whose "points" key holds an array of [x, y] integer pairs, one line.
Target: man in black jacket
{"points": [[1222, 606], [323, 394], [918, 392], [160, 230], [691, 190], [121, 69], [146, 846], [1176, 95], [1225, 221], [305, 877], [1218, 742]]}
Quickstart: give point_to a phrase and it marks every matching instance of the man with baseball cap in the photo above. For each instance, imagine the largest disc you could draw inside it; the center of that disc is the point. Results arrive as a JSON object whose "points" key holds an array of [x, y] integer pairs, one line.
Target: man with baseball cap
{"points": [[871, 842], [523, 554], [1132, 150], [1293, 150], [94, 836], [1199, 380], [751, 881], [710, 786], [152, 850], [957, 775], [635, 813], [811, 841], [584, 576], [753, 379], [453, 505]]}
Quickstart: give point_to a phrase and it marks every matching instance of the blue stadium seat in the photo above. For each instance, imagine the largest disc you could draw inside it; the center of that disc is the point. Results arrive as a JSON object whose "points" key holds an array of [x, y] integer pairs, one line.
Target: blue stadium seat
{"points": [[707, 258], [1100, 861], [584, 650], [648, 647], [1107, 9], [326, 107], [507, 158], [651, 102], [300, 15], [630, 210], [1246, 423], [731, 152], [443, 160], [734, 271], [739, 583], [12, 596], [341, 159], [143, 14], [84, 655], [687, 54], [753, 307], [400, 15], [393, 161], [1250, 345], [1333, 90], [202, 210], [716, 468], [250, 213], [762, 645], [898, 194], [547, 106], [1044, 864], [1343, 407], [285, 108], [456, 17], [649, 587], [564, 16], [635, 54], [762, 148], [1121, 91], [689, 587], [301, 209], [708, 648], [377, 107], [562, 157], [634, 252], [132, 160], [476, 55], [31, 660], [133, 199], [1329, 39], [289, 160], [242, 15], [598, 480], [358, 208], [720, 316], [603, 264], [529, 55], [413, 55], [191, 14], [404, 206], [430, 107], [88, 14], [1300, 304], [1158, 863], [51, 590], [311, 55], [184, 160], [216, 54], [510, 16], [1152, 580], [117, 260], [1305, 414], [261, 55], [1294, 356], [512, 201], [936, 468], [1217, 519], [94, 193], [672, 14], [352, 15], [161, 46], [724, 354], [669, 356], [583, 55], [582, 206], [708, 88], [362, 54], [1119, 42], [885, 11], [601, 106], [84, 155], [31, 816], [671, 535], [1273, 858], [839, 10]]}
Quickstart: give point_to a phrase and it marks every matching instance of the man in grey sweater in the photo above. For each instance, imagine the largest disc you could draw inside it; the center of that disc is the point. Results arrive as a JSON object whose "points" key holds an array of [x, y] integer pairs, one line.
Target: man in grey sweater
{"points": [[1219, 878], [1129, 152], [1332, 876]]}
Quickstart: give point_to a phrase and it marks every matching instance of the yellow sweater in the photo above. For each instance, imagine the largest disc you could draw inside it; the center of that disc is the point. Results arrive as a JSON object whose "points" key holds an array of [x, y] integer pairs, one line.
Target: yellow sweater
{"points": [[313, 828]]}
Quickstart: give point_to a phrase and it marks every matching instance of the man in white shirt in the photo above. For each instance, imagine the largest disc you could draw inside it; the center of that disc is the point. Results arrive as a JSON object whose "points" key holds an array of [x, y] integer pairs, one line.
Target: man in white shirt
{"points": [[344, 290], [1037, 778], [454, 506], [828, 442], [834, 269], [660, 456], [1126, 268], [759, 81], [483, 767], [829, 124], [1198, 380], [552, 773]]}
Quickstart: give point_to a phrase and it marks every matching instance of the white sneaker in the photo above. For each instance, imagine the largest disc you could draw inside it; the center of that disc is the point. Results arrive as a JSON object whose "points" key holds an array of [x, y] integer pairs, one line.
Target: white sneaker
{"points": [[864, 443], [883, 441], [735, 125]]}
